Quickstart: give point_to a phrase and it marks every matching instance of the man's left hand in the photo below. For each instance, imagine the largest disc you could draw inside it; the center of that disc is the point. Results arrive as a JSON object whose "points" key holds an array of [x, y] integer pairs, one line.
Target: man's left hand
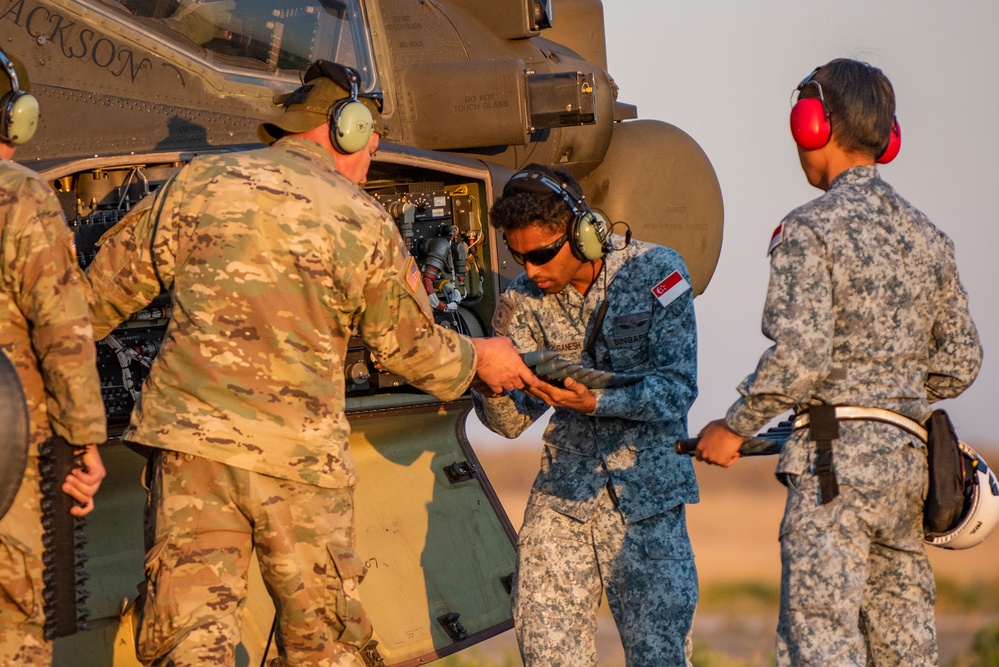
{"points": [[82, 484], [576, 396]]}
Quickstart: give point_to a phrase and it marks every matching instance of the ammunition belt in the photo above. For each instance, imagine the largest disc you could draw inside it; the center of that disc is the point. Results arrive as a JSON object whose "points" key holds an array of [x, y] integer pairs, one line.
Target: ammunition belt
{"points": [[64, 595]]}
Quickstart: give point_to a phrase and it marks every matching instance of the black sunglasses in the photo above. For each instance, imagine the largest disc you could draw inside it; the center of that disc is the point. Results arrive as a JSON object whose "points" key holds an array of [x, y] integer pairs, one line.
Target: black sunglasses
{"points": [[541, 255]]}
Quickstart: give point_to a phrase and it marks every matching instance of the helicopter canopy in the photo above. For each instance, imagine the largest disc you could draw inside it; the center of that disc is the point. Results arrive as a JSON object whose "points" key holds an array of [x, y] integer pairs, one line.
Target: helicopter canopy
{"points": [[261, 35]]}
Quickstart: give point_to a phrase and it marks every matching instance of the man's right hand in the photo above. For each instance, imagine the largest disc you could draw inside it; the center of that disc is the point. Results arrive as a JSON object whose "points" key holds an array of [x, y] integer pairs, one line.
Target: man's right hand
{"points": [[719, 445], [499, 366]]}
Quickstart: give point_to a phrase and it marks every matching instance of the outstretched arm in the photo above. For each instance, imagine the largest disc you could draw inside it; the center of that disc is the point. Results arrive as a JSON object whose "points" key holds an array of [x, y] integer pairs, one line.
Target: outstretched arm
{"points": [[499, 366]]}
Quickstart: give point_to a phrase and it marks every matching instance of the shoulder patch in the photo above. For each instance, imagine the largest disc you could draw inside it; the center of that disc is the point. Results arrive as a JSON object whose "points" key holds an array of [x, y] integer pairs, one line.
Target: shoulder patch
{"points": [[502, 315], [413, 276], [776, 238], [671, 288]]}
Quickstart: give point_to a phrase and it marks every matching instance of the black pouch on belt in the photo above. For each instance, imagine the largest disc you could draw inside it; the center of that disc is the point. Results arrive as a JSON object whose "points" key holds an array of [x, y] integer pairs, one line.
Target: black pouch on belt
{"points": [[823, 429], [945, 497]]}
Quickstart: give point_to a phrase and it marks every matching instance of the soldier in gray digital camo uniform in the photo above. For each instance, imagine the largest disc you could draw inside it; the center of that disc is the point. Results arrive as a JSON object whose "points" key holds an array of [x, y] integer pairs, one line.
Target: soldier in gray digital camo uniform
{"points": [[607, 508], [45, 331], [272, 258], [865, 308]]}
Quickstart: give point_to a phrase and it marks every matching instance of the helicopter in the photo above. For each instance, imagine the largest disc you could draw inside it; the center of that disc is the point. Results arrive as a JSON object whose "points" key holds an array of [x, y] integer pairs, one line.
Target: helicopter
{"points": [[470, 91]]}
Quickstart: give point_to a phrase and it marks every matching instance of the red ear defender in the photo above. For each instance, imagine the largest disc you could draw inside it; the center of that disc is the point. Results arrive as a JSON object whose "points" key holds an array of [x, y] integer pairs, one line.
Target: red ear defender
{"points": [[810, 123], [894, 143]]}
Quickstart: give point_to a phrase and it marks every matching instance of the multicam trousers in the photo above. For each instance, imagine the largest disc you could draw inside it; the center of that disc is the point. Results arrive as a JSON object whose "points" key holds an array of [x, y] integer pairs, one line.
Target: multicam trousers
{"points": [[207, 517], [22, 615], [857, 587], [564, 565]]}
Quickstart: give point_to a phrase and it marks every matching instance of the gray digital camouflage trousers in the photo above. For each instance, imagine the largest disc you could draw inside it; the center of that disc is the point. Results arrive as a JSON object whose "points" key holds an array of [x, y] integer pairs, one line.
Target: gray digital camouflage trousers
{"points": [[563, 566], [207, 518], [22, 614], [857, 587]]}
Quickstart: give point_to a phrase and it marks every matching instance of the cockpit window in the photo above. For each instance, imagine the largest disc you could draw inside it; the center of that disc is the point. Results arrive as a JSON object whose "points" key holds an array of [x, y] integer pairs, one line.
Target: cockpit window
{"points": [[280, 37]]}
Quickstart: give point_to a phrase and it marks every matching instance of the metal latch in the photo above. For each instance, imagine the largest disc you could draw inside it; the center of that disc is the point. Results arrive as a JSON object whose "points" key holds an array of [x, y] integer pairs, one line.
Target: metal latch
{"points": [[370, 655], [460, 471], [454, 629]]}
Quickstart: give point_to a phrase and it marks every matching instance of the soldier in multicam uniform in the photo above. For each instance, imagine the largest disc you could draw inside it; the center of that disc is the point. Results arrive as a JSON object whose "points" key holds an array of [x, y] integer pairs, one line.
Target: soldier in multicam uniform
{"points": [[607, 508], [272, 258], [865, 308], [45, 331]]}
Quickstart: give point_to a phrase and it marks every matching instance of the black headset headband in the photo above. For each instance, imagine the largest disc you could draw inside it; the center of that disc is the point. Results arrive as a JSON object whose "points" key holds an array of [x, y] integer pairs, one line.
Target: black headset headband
{"points": [[346, 77], [343, 76], [8, 67], [540, 181]]}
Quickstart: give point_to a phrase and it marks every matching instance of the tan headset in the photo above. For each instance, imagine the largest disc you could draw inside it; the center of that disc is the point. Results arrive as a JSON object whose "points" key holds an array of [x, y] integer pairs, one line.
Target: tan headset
{"points": [[18, 109], [351, 123], [587, 230]]}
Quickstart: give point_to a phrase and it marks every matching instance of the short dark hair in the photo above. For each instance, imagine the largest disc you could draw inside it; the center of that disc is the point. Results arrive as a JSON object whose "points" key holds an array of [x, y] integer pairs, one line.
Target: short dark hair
{"points": [[516, 209], [861, 104]]}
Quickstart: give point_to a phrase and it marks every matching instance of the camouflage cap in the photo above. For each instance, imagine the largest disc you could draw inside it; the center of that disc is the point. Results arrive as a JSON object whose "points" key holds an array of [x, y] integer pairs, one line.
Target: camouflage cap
{"points": [[309, 106]]}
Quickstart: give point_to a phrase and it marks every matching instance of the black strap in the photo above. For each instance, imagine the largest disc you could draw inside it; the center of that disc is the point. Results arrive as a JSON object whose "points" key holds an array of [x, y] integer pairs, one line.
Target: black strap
{"points": [[598, 324], [823, 429]]}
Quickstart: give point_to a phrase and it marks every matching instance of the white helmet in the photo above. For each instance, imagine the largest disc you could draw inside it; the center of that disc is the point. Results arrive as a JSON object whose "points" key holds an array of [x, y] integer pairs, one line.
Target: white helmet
{"points": [[981, 506]]}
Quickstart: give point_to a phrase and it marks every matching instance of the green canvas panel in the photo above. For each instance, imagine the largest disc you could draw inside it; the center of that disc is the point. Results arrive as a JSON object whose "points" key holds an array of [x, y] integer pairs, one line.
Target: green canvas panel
{"points": [[433, 547]]}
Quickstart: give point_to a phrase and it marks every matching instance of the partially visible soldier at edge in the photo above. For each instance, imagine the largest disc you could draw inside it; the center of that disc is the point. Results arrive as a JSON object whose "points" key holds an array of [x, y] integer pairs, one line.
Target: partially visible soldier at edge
{"points": [[272, 258], [45, 331], [607, 511], [865, 308]]}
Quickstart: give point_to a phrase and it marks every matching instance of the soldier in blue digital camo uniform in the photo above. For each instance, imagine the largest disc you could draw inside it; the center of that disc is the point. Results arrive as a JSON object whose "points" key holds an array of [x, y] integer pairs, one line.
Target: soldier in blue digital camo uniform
{"points": [[607, 508], [272, 258], [865, 308], [45, 331]]}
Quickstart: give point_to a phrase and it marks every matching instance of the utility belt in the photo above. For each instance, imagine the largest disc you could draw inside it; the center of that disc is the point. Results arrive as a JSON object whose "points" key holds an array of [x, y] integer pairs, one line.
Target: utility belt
{"points": [[822, 422], [962, 498]]}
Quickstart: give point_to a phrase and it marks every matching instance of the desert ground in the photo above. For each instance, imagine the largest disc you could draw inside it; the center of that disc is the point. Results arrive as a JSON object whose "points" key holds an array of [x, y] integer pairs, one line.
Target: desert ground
{"points": [[734, 533]]}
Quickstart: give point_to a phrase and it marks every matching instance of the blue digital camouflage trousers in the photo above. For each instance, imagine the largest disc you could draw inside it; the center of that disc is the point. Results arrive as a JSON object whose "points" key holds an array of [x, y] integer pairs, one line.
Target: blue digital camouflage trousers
{"points": [[564, 565], [22, 614], [207, 517], [857, 587]]}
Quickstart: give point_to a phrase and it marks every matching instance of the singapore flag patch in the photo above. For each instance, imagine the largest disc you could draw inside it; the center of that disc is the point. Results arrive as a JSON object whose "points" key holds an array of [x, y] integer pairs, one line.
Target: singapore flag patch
{"points": [[776, 238], [671, 288]]}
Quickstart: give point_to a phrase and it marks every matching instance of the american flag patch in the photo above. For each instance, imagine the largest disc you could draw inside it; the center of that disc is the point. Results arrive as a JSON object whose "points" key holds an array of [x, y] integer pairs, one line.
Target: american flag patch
{"points": [[413, 276], [776, 238], [671, 288]]}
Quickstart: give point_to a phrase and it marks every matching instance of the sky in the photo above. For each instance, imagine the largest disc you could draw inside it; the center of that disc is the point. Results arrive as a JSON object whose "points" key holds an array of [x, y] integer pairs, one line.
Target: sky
{"points": [[723, 72]]}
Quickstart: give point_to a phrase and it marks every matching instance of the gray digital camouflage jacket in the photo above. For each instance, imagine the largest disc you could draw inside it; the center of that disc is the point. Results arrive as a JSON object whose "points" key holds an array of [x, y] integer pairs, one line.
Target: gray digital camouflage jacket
{"points": [[628, 439], [865, 307]]}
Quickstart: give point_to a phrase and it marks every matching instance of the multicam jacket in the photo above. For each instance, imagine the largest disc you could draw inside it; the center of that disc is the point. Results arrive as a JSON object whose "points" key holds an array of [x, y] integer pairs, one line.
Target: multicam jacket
{"points": [[628, 439], [44, 327], [272, 259], [865, 307]]}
